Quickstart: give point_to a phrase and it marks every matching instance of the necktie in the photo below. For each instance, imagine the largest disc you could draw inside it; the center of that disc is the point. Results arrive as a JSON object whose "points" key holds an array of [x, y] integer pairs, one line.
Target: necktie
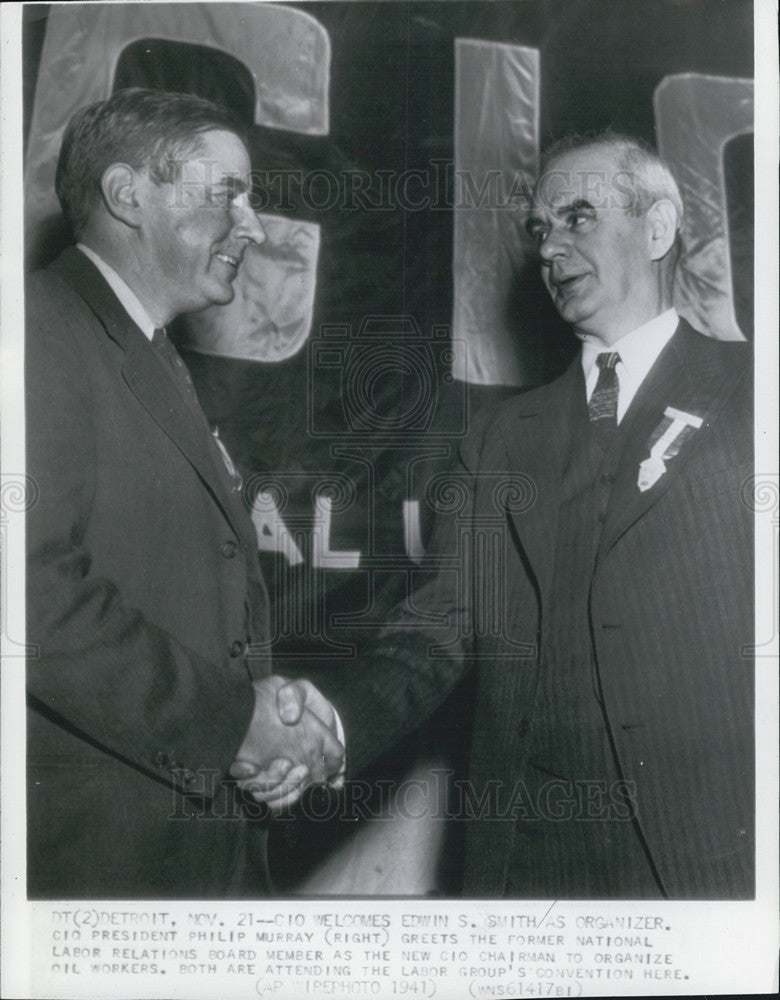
{"points": [[184, 384], [602, 407], [181, 376]]}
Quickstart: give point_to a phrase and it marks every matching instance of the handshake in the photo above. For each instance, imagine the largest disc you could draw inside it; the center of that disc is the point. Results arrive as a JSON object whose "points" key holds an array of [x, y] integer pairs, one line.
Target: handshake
{"points": [[292, 742]]}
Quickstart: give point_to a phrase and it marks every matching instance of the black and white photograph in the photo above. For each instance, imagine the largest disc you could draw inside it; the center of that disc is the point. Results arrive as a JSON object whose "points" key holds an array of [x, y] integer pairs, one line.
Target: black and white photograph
{"points": [[390, 506]]}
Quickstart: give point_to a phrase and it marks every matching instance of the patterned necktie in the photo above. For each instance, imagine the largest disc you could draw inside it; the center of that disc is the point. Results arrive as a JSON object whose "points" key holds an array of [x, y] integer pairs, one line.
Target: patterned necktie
{"points": [[602, 407]]}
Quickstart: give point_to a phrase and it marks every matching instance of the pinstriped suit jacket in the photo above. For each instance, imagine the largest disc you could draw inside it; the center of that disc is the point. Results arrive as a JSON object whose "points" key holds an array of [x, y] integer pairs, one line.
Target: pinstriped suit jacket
{"points": [[671, 617]]}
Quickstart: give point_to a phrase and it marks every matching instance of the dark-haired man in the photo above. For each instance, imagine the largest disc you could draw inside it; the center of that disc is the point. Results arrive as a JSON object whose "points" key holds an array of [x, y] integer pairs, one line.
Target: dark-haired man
{"points": [[593, 560], [145, 599]]}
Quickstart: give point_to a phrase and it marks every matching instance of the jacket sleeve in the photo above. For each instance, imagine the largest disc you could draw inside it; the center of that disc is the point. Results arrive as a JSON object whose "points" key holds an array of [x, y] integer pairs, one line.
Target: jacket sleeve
{"points": [[425, 647], [98, 667]]}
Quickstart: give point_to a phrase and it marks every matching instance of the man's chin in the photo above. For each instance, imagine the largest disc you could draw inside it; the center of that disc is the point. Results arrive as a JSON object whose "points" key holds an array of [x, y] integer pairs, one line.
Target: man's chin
{"points": [[212, 301], [568, 310], [221, 295]]}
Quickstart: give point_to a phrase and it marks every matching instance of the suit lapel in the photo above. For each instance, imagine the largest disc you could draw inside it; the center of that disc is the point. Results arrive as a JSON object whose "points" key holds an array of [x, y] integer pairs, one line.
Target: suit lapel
{"points": [[537, 443], [145, 375], [688, 378]]}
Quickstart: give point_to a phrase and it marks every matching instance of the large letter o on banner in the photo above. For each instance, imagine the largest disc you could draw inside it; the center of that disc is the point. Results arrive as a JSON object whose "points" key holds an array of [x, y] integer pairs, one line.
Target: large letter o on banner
{"points": [[696, 117]]}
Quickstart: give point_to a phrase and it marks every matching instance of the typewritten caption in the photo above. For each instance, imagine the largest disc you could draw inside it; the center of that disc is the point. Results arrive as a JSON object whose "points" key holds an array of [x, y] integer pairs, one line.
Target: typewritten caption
{"points": [[274, 950]]}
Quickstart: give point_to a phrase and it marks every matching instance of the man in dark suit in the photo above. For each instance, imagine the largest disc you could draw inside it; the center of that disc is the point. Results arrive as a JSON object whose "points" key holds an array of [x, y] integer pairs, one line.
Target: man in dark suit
{"points": [[145, 600], [592, 560]]}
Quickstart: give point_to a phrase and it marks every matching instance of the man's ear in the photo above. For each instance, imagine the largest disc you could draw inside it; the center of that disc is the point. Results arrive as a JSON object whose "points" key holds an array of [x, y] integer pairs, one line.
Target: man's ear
{"points": [[120, 193], [661, 228]]}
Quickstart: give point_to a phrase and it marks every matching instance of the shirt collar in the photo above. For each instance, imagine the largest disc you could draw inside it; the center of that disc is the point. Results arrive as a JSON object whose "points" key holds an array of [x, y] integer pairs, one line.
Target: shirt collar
{"points": [[119, 287], [639, 349]]}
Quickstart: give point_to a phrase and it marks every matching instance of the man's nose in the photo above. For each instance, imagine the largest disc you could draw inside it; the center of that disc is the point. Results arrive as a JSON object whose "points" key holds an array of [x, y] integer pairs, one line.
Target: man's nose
{"points": [[246, 225], [555, 244]]}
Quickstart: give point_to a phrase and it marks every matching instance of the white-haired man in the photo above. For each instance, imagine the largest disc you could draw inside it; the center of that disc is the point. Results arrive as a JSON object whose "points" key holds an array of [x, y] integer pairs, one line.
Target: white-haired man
{"points": [[594, 563]]}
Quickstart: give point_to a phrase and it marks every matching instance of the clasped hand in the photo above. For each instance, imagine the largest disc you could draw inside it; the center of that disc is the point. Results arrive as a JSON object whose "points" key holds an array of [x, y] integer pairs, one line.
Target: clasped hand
{"points": [[291, 743]]}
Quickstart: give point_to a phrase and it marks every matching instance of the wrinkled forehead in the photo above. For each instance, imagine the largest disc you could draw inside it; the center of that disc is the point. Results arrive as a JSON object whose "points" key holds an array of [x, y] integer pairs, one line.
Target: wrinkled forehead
{"points": [[588, 176]]}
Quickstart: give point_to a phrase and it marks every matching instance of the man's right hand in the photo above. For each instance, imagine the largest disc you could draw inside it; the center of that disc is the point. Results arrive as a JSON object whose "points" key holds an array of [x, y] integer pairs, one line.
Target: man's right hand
{"points": [[287, 746]]}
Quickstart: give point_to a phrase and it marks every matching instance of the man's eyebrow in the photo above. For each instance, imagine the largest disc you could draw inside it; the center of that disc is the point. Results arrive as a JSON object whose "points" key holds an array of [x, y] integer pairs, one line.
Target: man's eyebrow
{"points": [[232, 183], [534, 220], [575, 206]]}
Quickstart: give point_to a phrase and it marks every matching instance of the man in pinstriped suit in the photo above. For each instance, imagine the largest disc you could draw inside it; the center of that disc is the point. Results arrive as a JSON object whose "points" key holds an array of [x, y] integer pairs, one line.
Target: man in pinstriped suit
{"points": [[593, 562]]}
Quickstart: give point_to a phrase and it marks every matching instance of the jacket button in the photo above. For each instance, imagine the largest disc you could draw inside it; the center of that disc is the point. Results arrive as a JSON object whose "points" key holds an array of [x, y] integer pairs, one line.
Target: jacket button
{"points": [[162, 759], [237, 648], [228, 549]]}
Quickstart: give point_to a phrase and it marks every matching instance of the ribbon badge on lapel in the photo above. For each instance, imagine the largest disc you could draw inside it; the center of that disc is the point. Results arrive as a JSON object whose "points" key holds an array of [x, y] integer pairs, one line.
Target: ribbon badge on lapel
{"points": [[665, 442]]}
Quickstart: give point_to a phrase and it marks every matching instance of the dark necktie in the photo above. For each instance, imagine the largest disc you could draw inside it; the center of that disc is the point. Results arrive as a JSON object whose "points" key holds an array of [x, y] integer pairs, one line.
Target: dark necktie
{"points": [[181, 376], [602, 407], [186, 388]]}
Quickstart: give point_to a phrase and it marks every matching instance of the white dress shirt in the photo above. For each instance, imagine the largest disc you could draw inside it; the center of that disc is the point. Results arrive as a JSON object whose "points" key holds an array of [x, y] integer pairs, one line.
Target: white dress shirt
{"points": [[638, 352], [123, 292]]}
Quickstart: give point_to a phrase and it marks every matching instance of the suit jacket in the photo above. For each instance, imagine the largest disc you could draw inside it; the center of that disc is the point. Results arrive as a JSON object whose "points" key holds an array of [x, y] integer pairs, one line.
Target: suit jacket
{"points": [[670, 615], [141, 568]]}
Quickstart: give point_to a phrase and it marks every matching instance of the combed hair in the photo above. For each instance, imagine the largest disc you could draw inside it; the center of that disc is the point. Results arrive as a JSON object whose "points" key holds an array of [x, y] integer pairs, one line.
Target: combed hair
{"points": [[651, 178], [143, 128]]}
